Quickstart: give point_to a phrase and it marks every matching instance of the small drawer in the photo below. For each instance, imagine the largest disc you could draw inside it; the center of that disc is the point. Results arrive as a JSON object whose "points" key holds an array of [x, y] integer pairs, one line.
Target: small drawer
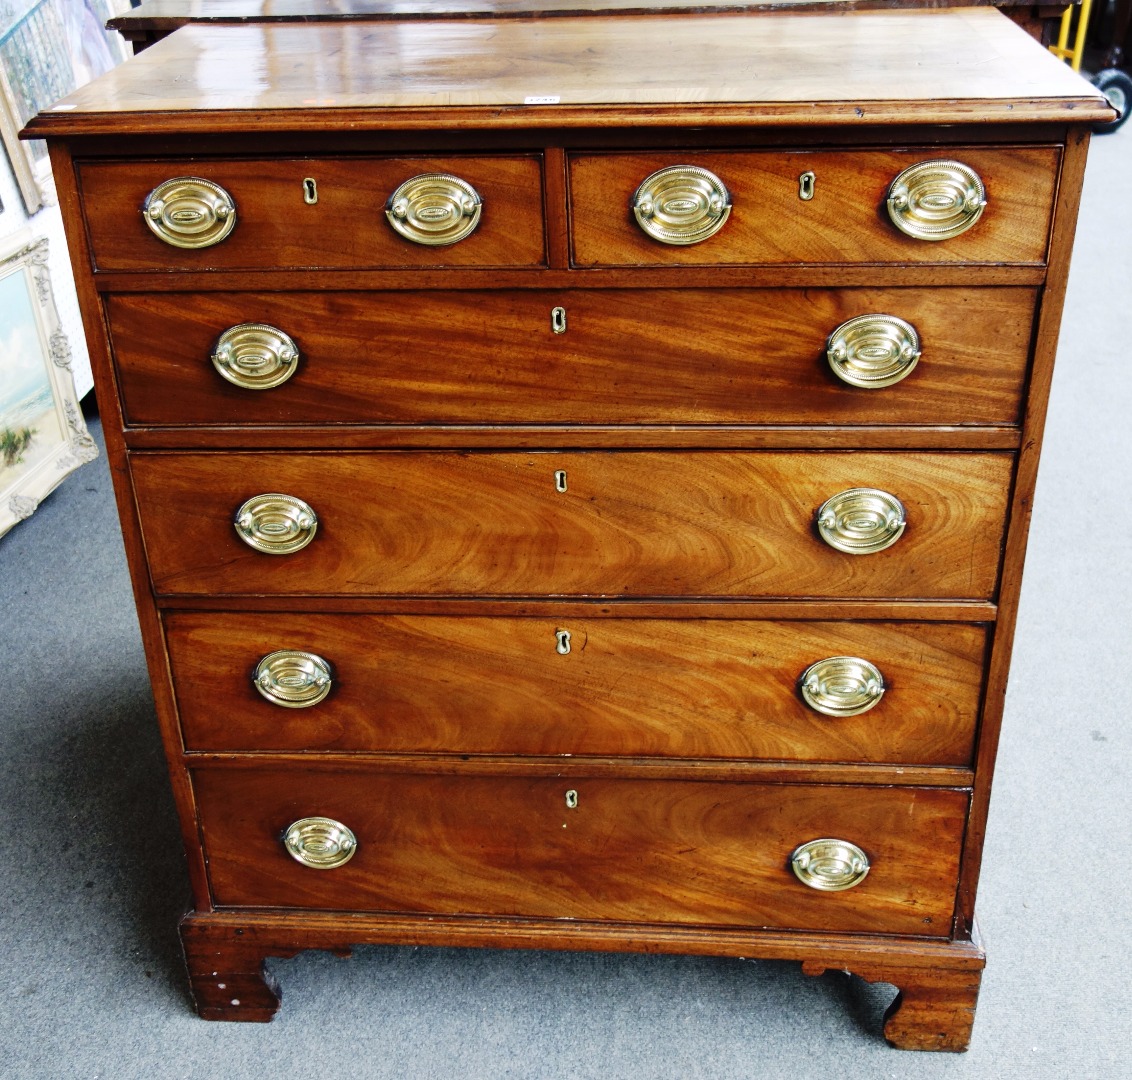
{"points": [[711, 523], [698, 688], [845, 219], [664, 356], [318, 212], [577, 847]]}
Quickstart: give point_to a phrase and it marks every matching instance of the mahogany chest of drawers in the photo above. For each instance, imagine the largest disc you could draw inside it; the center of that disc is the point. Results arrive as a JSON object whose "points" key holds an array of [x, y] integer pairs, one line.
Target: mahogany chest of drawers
{"points": [[575, 475]]}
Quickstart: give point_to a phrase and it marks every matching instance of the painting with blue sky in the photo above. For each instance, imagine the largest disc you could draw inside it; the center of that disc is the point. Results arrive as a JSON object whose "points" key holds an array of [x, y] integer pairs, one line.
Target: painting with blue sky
{"points": [[29, 421]]}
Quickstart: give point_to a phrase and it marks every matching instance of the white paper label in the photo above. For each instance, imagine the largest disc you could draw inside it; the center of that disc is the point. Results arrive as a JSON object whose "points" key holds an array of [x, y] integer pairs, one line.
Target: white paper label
{"points": [[542, 99]]}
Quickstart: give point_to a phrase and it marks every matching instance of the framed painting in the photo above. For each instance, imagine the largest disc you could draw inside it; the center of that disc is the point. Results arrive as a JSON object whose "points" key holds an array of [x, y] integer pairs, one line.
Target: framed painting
{"points": [[43, 437]]}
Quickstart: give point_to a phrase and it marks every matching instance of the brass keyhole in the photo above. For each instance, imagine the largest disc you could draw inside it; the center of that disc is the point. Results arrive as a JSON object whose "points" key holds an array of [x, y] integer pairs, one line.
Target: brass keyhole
{"points": [[571, 800], [310, 191], [806, 184], [558, 320], [562, 642], [560, 480]]}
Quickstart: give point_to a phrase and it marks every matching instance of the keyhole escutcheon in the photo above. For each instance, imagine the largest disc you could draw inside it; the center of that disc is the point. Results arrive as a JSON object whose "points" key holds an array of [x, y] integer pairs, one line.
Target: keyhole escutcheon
{"points": [[558, 320], [562, 642], [560, 480], [310, 191]]}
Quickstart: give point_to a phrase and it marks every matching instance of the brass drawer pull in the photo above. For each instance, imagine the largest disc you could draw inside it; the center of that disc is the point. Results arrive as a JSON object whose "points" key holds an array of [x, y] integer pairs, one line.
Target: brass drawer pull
{"points": [[255, 356], [829, 865], [276, 524], [434, 209], [861, 521], [188, 212], [682, 204], [936, 200], [872, 351], [320, 843], [842, 686], [293, 679]]}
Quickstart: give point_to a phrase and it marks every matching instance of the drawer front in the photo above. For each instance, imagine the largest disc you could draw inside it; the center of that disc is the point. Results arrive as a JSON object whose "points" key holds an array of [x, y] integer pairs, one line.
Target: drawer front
{"points": [[845, 221], [629, 850], [626, 524], [603, 687], [345, 227], [624, 356]]}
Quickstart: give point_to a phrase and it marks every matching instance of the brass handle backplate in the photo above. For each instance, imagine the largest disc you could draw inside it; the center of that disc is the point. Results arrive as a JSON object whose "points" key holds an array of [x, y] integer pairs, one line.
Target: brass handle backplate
{"points": [[936, 200], [682, 204], [829, 865], [293, 679], [872, 351], [434, 209], [188, 212], [842, 686], [276, 524], [860, 521], [320, 843], [255, 356]]}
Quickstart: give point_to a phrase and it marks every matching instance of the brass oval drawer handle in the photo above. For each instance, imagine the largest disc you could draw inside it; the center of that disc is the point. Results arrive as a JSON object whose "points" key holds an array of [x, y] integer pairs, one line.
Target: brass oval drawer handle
{"points": [[320, 842], [842, 686], [189, 212], [872, 351], [936, 200], [434, 209], [682, 204], [276, 524], [255, 356], [293, 679], [829, 865], [861, 521]]}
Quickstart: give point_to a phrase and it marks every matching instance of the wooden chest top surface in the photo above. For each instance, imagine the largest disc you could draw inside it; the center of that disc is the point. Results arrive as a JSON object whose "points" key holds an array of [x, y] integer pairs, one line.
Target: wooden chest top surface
{"points": [[766, 68], [170, 14]]}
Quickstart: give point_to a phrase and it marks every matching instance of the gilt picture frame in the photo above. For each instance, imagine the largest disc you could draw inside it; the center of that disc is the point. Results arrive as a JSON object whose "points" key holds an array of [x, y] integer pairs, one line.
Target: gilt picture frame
{"points": [[43, 436]]}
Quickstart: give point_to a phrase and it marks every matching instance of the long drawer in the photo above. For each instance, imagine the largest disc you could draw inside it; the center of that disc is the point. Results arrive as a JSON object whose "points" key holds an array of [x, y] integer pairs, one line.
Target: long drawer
{"points": [[603, 687], [844, 222], [712, 523], [575, 847], [277, 227], [607, 356]]}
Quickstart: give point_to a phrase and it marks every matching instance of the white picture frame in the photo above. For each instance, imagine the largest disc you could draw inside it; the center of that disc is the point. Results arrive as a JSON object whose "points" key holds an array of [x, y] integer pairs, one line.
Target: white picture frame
{"points": [[43, 436]]}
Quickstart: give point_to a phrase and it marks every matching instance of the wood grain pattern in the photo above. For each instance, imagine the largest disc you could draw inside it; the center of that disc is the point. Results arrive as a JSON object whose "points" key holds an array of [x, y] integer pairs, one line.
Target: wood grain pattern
{"points": [[845, 222], [667, 688], [644, 524], [628, 356], [765, 69], [631, 851], [347, 227]]}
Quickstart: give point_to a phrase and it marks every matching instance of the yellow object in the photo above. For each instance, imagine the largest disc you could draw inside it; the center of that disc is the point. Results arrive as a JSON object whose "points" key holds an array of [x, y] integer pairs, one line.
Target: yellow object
{"points": [[1062, 49]]}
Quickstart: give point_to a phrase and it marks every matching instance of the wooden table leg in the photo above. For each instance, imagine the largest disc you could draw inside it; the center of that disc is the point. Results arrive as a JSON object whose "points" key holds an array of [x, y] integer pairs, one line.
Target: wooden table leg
{"points": [[227, 976], [935, 1009]]}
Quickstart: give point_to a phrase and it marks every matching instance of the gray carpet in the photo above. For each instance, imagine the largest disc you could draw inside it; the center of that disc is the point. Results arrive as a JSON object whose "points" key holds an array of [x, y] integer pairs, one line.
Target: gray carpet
{"points": [[91, 982]]}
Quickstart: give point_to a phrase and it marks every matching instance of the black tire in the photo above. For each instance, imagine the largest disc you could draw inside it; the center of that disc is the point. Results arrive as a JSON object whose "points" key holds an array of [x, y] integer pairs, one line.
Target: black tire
{"points": [[1116, 85]]}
